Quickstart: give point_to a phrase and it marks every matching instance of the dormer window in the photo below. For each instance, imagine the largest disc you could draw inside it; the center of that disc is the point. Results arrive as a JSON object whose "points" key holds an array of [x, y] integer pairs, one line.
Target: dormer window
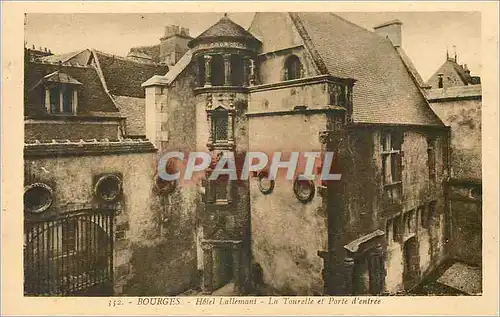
{"points": [[61, 99], [60, 93], [293, 68]]}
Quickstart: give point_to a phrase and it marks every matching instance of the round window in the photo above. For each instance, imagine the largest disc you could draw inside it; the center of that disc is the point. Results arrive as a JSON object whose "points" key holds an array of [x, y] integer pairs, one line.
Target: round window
{"points": [[304, 190], [266, 185], [108, 187], [37, 197]]}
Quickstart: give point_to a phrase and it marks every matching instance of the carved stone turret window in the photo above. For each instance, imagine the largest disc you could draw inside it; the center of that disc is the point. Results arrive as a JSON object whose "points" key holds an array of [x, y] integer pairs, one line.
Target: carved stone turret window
{"points": [[220, 125]]}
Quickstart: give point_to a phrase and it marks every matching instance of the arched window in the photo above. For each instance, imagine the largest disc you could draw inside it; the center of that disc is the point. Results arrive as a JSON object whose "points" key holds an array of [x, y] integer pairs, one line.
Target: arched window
{"points": [[293, 68]]}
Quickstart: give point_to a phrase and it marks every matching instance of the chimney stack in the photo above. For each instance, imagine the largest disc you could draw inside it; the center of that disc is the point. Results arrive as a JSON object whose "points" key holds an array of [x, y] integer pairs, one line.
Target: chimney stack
{"points": [[173, 45], [392, 31]]}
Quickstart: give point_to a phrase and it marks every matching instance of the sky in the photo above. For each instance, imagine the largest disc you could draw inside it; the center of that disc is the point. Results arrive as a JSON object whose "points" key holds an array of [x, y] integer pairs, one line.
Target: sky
{"points": [[426, 35]]}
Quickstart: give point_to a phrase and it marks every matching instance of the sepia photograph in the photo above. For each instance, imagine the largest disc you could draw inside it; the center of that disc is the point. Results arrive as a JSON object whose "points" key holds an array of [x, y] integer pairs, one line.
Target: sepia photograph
{"points": [[236, 157]]}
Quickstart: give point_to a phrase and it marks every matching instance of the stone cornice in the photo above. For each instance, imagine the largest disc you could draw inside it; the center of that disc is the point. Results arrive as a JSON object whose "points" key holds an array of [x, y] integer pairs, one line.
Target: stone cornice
{"points": [[72, 118], [281, 51], [64, 148], [301, 82], [215, 89], [305, 111]]}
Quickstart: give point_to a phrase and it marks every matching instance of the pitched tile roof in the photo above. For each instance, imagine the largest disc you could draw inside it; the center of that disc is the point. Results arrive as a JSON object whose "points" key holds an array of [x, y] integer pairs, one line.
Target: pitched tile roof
{"points": [[124, 77], [91, 96], [224, 28], [62, 78], [134, 109], [385, 91]]}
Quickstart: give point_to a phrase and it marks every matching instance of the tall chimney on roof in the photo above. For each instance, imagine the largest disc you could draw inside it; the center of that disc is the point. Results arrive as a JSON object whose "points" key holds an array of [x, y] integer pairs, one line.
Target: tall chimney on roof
{"points": [[392, 31], [173, 45]]}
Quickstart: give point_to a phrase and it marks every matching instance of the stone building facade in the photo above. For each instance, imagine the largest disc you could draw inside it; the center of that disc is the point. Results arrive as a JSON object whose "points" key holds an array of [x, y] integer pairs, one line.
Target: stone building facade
{"points": [[303, 87], [459, 106]]}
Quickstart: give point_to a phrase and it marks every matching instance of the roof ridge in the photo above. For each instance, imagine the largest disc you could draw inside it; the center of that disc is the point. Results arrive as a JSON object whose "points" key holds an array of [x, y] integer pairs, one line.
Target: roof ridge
{"points": [[301, 29], [100, 74], [125, 59]]}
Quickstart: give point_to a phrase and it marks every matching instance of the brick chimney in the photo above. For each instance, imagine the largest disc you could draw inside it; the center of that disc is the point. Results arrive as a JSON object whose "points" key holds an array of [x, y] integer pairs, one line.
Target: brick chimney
{"points": [[391, 30], [173, 45]]}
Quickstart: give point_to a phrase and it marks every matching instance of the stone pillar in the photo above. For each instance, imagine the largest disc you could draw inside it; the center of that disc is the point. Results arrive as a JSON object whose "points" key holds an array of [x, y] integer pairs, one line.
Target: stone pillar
{"points": [[154, 113], [252, 72], [208, 108], [361, 278], [245, 70], [47, 100], [377, 270], [237, 272], [61, 100], [227, 69], [208, 283], [208, 70], [348, 275], [230, 127], [326, 272], [75, 101]]}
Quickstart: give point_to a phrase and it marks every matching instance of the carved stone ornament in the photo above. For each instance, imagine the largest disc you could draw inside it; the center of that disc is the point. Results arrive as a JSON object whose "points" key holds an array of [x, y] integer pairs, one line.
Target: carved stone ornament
{"points": [[304, 190], [38, 197], [266, 185], [108, 188], [209, 103]]}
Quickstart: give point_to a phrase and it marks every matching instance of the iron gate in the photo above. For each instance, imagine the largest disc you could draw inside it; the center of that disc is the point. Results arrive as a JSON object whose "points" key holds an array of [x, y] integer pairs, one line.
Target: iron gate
{"points": [[69, 255]]}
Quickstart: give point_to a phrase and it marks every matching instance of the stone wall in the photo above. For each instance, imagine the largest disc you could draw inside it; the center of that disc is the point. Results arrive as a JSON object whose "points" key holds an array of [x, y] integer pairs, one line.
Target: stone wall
{"points": [[171, 126], [368, 207], [287, 233], [464, 118], [460, 108], [151, 257]]}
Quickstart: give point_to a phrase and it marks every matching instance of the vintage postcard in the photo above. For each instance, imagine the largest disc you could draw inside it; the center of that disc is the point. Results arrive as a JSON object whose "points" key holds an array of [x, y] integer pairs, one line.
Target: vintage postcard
{"points": [[182, 158]]}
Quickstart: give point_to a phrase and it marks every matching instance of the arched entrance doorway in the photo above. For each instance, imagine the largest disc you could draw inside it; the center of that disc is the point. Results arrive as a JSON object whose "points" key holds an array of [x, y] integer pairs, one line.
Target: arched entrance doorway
{"points": [[71, 255], [411, 260]]}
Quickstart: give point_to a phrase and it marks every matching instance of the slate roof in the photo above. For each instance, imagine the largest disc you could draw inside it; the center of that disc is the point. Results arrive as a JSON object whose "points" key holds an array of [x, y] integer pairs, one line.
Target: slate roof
{"points": [[91, 96], [124, 77], [224, 28], [59, 57], [62, 78], [385, 91], [412, 69], [134, 109]]}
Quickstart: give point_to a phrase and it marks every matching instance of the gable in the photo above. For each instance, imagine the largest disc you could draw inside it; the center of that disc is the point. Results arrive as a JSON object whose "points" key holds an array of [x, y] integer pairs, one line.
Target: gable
{"points": [[275, 30], [451, 76], [278, 45]]}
